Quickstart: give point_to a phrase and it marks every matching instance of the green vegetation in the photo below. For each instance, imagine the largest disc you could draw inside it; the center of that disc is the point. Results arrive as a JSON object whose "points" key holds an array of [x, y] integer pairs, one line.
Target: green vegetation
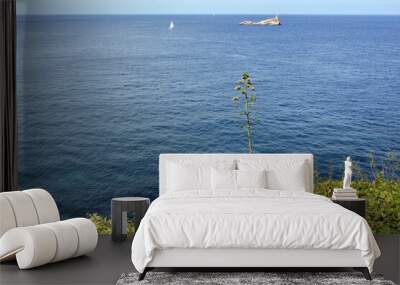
{"points": [[246, 89], [381, 189], [383, 201], [103, 224]]}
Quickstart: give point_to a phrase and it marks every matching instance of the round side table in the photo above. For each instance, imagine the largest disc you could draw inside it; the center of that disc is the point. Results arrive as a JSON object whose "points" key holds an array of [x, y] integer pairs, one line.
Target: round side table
{"points": [[119, 214]]}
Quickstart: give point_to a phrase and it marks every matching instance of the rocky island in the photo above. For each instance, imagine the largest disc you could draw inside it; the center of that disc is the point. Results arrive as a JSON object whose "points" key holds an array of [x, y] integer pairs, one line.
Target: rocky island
{"points": [[267, 22]]}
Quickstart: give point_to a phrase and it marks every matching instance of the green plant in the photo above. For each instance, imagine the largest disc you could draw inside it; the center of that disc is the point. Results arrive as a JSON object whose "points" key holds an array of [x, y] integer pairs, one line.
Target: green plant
{"points": [[382, 197], [380, 189], [383, 204], [246, 89], [103, 224]]}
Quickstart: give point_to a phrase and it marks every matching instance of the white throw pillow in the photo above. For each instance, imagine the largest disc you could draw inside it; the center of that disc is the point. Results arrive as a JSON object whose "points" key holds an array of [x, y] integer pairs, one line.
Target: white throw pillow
{"points": [[185, 175], [223, 179], [281, 174], [226, 179], [251, 178], [188, 177]]}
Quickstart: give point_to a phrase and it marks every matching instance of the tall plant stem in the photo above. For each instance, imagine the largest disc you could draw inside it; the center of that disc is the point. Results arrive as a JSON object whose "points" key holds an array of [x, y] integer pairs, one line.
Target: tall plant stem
{"points": [[248, 126], [246, 89]]}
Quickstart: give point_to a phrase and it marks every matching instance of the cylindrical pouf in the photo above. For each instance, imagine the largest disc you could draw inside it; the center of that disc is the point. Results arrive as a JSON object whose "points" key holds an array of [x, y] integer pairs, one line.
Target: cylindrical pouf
{"points": [[67, 240], [45, 205], [34, 246], [26, 208], [23, 208], [7, 218], [37, 245], [87, 235]]}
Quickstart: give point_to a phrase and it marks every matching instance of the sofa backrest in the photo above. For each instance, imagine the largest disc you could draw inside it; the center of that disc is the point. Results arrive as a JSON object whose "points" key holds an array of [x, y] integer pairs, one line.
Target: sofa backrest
{"points": [[26, 208], [199, 159]]}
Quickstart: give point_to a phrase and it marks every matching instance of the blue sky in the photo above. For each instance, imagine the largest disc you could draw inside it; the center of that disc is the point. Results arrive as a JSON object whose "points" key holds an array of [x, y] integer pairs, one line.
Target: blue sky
{"points": [[209, 7]]}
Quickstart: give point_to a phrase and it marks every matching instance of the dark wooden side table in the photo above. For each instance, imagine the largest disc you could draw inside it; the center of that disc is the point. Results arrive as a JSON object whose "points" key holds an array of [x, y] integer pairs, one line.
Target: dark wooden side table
{"points": [[119, 214], [355, 205]]}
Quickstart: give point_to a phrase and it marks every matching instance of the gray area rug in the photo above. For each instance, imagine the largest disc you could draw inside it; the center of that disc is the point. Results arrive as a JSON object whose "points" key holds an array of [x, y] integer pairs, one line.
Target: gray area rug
{"points": [[269, 278]]}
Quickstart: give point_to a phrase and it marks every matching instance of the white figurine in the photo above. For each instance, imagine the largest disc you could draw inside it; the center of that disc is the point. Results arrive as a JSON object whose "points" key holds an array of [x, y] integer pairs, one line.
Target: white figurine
{"points": [[347, 173]]}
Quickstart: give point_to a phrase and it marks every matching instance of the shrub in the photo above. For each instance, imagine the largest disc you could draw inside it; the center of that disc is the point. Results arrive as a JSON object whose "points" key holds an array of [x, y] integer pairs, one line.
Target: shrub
{"points": [[382, 199], [103, 224], [380, 188]]}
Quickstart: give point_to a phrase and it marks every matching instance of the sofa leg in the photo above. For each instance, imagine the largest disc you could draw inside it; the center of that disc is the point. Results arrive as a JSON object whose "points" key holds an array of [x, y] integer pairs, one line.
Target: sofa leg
{"points": [[142, 275], [364, 271]]}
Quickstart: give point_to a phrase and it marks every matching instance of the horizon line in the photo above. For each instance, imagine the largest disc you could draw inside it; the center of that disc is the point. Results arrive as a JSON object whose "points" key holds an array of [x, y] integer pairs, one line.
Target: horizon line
{"points": [[205, 14]]}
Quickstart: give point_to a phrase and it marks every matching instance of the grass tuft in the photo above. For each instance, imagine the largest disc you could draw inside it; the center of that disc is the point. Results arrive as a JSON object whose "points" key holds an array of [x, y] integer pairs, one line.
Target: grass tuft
{"points": [[103, 224]]}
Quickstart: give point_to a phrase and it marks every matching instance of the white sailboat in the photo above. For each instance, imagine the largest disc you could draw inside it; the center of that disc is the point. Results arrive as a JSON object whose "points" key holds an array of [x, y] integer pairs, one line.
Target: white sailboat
{"points": [[171, 26]]}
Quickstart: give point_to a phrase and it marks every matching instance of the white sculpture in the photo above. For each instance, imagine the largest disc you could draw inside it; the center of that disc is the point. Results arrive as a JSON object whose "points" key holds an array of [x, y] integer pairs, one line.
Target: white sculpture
{"points": [[347, 173]]}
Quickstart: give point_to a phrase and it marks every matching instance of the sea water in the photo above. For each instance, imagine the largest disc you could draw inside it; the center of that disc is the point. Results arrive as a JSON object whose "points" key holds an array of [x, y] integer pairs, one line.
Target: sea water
{"points": [[100, 97]]}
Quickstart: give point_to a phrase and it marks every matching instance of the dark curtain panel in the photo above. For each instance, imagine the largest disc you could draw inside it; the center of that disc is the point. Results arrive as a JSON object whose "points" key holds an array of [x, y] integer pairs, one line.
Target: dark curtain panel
{"points": [[8, 111]]}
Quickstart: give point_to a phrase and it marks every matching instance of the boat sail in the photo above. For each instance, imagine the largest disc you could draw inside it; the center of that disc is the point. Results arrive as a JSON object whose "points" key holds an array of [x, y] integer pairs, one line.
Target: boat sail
{"points": [[171, 26]]}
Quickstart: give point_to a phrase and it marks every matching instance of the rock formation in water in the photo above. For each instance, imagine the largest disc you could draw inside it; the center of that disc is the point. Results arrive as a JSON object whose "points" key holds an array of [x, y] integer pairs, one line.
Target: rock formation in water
{"points": [[267, 22]]}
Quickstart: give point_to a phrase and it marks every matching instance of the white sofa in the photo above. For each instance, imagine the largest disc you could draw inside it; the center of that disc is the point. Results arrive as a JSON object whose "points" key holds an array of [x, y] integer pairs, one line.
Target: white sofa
{"points": [[31, 231]]}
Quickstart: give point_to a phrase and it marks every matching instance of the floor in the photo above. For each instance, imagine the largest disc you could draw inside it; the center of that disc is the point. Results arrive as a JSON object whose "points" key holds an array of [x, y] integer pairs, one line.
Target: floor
{"points": [[110, 260], [104, 266], [389, 262]]}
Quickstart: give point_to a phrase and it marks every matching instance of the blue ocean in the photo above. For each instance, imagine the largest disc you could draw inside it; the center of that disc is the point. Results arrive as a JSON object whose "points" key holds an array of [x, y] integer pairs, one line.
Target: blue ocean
{"points": [[100, 97]]}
